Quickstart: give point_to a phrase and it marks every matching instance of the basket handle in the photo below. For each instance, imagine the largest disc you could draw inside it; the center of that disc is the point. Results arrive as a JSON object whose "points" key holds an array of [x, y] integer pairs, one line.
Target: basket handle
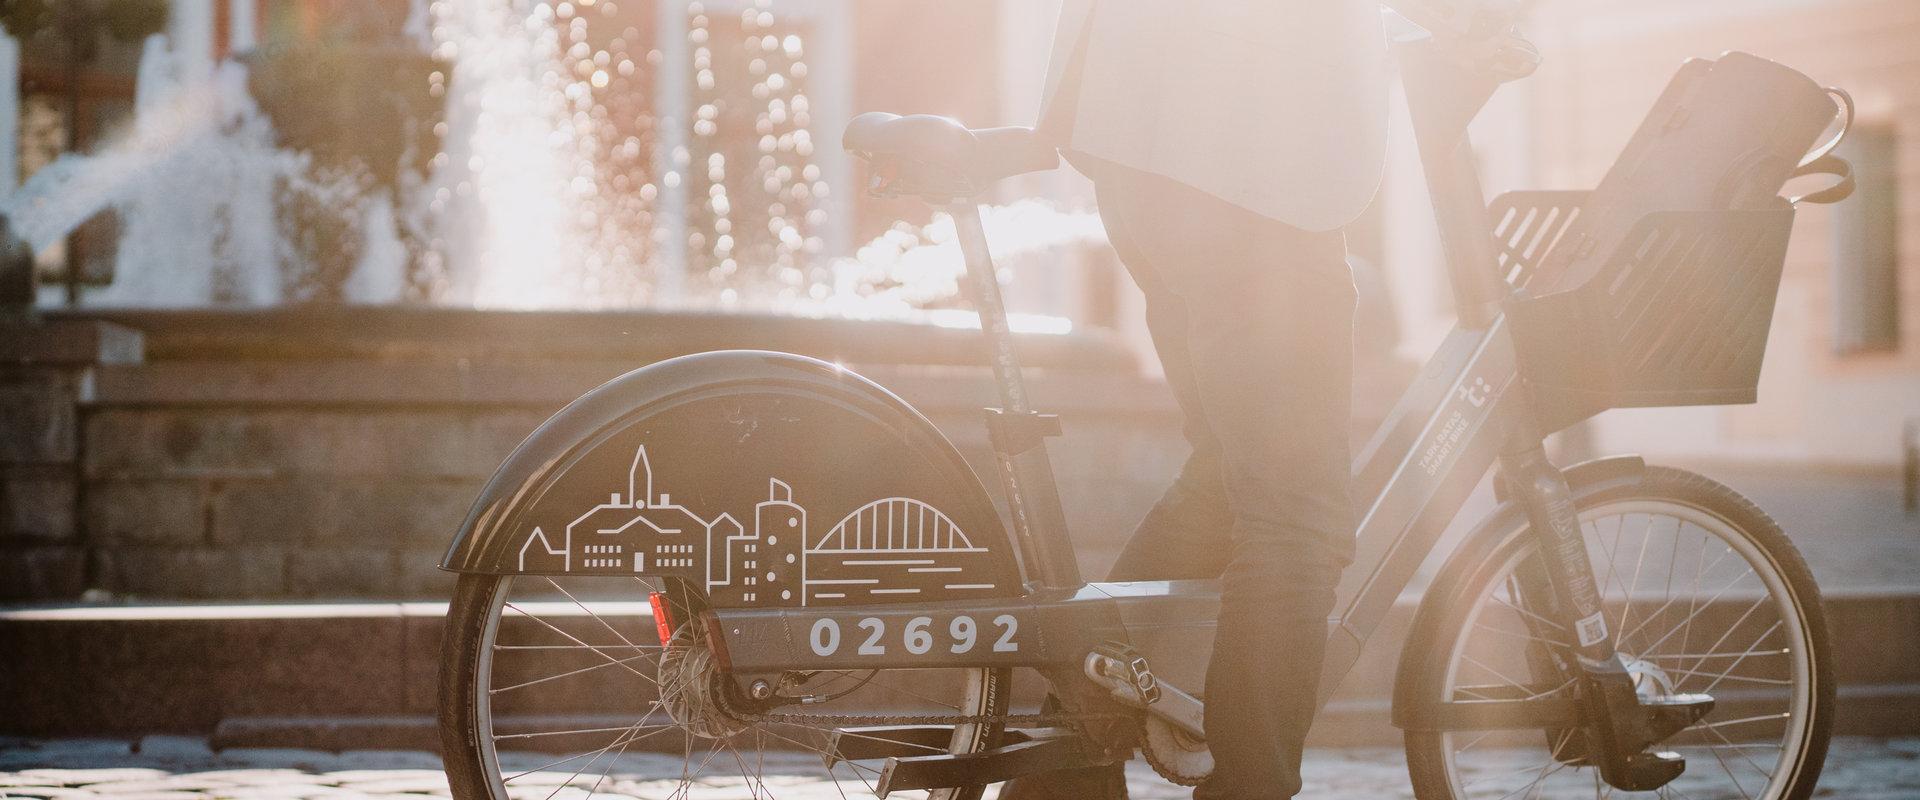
{"points": [[1844, 102], [1828, 164], [1821, 160]]}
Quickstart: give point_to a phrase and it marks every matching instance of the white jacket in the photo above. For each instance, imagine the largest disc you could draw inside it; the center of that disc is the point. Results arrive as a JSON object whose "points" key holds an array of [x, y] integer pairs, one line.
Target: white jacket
{"points": [[1277, 106]]}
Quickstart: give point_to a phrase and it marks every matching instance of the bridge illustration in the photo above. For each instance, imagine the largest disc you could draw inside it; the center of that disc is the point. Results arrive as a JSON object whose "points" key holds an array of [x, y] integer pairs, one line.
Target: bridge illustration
{"points": [[894, 524], [890, 547]]}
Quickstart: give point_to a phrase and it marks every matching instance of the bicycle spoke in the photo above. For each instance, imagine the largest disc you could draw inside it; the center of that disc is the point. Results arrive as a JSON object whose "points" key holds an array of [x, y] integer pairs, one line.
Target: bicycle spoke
{"points": [[1495, 672], [1738, 661], [1700, 570], [1736, 623], [570, 673], [576, 647], [1541, 619], [1688, 622], [596, 617], [578, 756], [854, 766], [1730, 776], [1523, 636], [1782, 651], [1732, 722], [1764, 772], [1626, 606], [569, 637], [568, 732], [871, 737]]}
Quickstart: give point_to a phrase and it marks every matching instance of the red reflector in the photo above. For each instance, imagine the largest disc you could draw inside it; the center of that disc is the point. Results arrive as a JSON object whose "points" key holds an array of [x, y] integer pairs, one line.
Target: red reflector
{"points": [[662, 620]]}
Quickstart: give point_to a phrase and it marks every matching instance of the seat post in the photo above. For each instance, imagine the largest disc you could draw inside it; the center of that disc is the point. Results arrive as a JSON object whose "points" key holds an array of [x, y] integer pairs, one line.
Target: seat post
{"points": [[1033, 497], [983, 287]]}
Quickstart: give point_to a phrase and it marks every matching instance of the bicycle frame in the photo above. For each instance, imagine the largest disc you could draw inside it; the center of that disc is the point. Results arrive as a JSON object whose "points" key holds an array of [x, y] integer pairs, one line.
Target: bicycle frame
{"points": [[1464, 412]]}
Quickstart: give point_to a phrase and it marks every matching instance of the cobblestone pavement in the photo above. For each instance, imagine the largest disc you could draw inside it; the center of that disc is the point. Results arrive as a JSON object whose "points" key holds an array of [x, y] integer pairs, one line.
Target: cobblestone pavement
{"points": [[182, 768]]}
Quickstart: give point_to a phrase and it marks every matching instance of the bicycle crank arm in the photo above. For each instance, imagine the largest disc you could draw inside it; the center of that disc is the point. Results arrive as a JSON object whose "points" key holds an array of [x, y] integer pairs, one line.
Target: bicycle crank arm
{"points": [[1128, 677]]}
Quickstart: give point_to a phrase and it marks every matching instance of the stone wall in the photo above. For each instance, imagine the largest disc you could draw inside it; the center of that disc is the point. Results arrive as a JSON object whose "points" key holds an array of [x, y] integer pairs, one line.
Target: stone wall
{"points": [[332, 455], [46, 377]]}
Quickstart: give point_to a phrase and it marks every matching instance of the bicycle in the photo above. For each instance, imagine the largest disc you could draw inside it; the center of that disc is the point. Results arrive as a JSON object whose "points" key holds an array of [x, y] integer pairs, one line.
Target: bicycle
{"points": [[1608, 625]]}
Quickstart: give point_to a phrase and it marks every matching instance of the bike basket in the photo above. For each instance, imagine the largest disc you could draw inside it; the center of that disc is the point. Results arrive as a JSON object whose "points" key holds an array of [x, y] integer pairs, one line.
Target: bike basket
{"points": [[1675, 314]]}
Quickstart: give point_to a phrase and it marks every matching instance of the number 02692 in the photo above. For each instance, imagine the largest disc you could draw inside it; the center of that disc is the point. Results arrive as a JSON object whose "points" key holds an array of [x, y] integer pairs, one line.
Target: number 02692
{"points": [[957, 635]]}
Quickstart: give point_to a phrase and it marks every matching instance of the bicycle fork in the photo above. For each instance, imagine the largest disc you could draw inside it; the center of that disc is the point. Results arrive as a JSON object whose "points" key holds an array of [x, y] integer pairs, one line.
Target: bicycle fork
{"points": [[1620, 725]]}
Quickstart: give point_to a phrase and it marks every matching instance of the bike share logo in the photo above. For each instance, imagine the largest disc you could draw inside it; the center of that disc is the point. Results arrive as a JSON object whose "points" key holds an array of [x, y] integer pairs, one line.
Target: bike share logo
{"points": [[888, 547], [1449, 434]]}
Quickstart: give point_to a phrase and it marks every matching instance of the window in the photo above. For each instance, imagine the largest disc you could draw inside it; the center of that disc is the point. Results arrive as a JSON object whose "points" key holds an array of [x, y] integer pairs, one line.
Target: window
{"points": [[1866, 257]]}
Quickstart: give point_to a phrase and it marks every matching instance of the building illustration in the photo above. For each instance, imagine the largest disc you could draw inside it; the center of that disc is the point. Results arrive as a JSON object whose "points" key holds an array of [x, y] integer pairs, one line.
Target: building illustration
{"points": [[888, 547]]}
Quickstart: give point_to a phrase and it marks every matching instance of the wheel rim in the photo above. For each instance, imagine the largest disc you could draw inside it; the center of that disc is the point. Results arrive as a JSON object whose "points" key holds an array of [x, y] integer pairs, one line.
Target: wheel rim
{"points": [[620, 756], [1758, 664]]}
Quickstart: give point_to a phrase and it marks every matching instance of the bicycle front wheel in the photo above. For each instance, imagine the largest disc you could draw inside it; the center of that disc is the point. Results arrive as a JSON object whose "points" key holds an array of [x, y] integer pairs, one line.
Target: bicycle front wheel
{"points": [[558, 688], [1704, 594]]}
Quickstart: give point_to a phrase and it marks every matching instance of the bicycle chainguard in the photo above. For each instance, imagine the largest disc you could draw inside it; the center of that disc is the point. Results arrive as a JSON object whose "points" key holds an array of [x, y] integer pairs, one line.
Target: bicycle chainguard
{"points": [[1625, 725]]}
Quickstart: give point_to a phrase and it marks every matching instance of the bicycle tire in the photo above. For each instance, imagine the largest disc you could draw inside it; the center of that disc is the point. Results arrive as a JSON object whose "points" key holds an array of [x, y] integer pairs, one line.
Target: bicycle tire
{"points": [[1432, 660]]}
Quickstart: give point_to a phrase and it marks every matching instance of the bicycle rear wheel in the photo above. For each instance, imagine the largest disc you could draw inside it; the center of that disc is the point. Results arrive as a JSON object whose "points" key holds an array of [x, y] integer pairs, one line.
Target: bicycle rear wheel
{"points": [[558, 688], [1705, 595]]}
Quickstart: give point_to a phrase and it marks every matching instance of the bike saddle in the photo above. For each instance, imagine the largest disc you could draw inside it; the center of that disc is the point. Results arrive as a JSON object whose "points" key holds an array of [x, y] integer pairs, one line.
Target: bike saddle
{"points": [[938, 157]]}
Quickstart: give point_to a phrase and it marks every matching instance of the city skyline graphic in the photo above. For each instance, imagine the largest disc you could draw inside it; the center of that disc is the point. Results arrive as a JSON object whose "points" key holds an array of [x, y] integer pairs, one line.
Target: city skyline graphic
{"points": [[886, 548]]}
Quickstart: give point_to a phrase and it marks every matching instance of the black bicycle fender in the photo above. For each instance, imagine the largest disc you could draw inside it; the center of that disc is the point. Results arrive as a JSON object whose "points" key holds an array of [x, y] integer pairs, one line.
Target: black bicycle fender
{"points": [[1414, 706], [698, 466]]}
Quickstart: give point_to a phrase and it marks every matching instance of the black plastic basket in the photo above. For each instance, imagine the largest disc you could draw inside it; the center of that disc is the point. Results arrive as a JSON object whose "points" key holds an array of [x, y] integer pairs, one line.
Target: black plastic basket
{"points": [[1674, 313]]}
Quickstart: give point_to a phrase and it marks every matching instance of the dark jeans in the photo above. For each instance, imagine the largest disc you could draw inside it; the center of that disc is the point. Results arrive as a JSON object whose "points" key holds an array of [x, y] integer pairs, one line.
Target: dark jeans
{"points": [[1253, 321]]}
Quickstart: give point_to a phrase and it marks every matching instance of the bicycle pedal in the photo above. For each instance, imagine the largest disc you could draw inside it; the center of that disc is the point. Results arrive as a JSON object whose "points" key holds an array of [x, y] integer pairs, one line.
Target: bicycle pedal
{"points": [[1125, 673]]}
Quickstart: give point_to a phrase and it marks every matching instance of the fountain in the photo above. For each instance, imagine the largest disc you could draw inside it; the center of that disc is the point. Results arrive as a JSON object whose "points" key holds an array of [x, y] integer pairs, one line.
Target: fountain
{"points": [[588, 158]]}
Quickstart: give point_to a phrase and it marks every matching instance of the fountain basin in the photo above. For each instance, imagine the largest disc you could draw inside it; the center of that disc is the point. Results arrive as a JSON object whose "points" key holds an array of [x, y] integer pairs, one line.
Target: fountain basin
{"points": [[637, 337], [329, 452]]}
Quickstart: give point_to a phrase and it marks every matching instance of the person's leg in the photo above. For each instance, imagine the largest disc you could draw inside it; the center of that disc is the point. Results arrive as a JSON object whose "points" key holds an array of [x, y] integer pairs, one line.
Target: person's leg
{"points": [[1185, 534], [1269, 335]]}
